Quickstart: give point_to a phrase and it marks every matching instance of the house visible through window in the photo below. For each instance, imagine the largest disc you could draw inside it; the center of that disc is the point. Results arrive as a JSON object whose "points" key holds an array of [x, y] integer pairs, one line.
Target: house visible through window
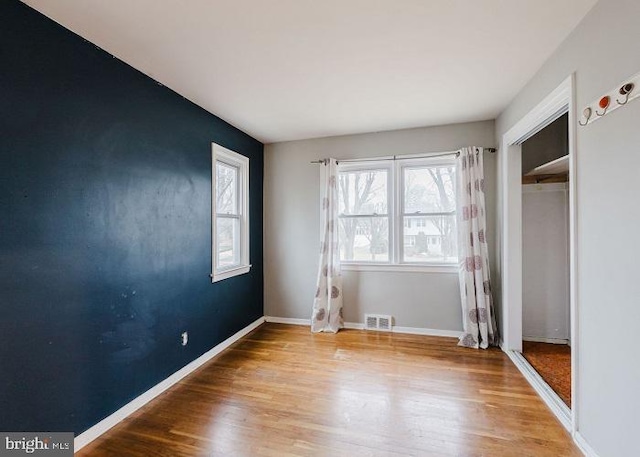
{"points": [[398, 212], [428, 198], [230, 218]]}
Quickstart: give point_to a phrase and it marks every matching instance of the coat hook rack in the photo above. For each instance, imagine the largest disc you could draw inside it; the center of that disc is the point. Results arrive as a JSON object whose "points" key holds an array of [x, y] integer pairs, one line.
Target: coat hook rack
{"points": [[622, 94]]}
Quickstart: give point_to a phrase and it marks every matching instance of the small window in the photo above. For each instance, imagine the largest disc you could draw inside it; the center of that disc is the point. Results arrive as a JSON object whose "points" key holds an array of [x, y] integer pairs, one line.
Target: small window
{"points": [[230, 213]]}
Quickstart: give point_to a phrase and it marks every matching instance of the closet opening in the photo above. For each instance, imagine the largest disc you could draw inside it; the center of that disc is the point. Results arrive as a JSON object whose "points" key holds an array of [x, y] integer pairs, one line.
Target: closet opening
{"points": [[546, 311]]}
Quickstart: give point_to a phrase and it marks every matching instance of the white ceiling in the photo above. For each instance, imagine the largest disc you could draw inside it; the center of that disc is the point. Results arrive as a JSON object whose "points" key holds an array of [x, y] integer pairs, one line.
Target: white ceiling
{"points": [[292, 69]]}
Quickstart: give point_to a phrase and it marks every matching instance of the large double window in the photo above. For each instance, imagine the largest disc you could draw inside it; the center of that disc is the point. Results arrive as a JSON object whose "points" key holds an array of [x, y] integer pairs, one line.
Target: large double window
{"points": [[398, 213], [230, 211]]}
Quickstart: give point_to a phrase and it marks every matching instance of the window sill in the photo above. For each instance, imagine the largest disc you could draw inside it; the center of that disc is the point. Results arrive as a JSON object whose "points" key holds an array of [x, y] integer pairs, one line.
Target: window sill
{"points": [[401, 268], [225, 274]]}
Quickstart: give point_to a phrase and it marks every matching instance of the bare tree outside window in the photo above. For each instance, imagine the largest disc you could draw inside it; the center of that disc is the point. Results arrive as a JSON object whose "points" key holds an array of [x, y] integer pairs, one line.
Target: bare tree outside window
{"points": [[444, 179], [228, 226], [426, 228], [364, 227], [429, 199]]}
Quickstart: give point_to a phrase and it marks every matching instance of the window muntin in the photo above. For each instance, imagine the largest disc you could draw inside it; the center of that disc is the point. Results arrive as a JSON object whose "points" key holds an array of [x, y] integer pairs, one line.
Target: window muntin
{"points": [[401, 212], [230, 213]]}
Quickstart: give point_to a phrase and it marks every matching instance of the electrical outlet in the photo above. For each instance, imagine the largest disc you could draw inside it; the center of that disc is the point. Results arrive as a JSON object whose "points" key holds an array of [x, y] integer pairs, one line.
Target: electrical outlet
{"points": [[185, 338]]}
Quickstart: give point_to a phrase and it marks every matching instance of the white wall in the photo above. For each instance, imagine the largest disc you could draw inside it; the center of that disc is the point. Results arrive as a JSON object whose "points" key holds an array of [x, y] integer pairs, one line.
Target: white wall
{"points": [[545, 261], [291, 207], [603, 51]]}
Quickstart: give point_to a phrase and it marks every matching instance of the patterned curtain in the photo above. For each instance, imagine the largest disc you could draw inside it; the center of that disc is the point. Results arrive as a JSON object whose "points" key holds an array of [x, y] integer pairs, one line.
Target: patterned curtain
{"points": [[478, 315], [327, 305]]}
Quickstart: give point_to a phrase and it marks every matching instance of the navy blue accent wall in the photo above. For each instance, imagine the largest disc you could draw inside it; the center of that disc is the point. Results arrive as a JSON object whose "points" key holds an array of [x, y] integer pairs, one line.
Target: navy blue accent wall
{"points": [[105, 229]]}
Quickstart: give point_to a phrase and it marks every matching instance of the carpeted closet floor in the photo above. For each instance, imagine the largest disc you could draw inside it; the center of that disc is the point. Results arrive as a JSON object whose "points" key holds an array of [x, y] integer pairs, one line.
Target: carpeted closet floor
{"points": [[553, 363]]}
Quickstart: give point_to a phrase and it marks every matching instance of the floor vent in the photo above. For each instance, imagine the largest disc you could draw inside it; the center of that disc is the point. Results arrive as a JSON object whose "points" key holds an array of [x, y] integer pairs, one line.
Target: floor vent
{"points": [[380, 322]]}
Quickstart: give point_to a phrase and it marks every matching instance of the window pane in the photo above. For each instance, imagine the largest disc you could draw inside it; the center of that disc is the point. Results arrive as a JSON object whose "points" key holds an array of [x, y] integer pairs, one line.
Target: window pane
{"points": [[430, 239], [363, 192], [429, 189], [364, 239], [226, 189], [228, 242]]}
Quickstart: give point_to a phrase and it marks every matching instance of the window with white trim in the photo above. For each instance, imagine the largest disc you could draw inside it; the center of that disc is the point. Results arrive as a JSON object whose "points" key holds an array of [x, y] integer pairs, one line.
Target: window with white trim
{"points": [[230, 213], [399, 213]]}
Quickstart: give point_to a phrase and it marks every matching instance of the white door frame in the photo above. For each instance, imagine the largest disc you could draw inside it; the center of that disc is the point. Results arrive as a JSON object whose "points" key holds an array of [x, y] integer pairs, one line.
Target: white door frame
{"points": [[557, 103]]}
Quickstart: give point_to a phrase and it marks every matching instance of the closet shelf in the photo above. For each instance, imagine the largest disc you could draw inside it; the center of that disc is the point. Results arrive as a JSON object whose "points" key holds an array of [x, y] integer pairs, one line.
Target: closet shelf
{"points": [[557, 166]]}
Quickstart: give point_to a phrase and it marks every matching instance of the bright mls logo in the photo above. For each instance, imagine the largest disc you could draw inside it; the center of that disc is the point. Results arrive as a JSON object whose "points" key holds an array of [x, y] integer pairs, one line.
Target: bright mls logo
{"points": [[44, 444]]}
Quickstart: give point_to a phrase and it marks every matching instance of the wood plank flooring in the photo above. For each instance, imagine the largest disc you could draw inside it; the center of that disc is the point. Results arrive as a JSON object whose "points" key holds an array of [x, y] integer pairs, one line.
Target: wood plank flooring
{"points": [[282, 391]]}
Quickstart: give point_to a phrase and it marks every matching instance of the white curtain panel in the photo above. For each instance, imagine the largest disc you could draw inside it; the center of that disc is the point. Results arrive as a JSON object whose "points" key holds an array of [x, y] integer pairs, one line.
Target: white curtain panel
{"points": [[479, 323], [327, 305]]}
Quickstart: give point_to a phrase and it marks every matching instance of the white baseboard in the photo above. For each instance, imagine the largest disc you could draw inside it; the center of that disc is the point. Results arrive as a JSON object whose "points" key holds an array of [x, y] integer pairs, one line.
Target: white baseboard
{"points": [[535, 339], [360, 326], [586, 449], [427, 331], [287, 320], [354, 325], [550, 398], [294, 321], [105, 424]]}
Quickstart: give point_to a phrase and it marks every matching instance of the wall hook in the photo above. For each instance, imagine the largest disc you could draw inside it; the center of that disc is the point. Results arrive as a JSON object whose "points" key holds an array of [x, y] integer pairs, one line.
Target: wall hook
{"points": [[587, 115], [626, 91], [604, 104]]}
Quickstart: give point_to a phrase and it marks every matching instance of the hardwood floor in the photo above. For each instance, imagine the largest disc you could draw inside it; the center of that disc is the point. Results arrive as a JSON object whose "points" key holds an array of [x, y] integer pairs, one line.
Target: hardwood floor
{"points": [[282, 391]]}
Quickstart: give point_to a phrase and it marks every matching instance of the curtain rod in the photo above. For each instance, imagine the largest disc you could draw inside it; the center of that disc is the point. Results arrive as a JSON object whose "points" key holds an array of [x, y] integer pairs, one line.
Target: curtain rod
{"points": [[403, 157]]}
